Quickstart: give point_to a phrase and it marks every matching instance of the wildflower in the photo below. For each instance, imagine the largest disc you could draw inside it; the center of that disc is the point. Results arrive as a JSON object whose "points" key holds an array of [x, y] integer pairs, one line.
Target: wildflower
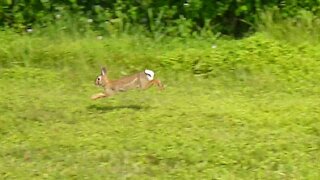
{"points": [[29, 30], [89, 20], [214, 46], [186, 4], [99, 37], [58, 16]]}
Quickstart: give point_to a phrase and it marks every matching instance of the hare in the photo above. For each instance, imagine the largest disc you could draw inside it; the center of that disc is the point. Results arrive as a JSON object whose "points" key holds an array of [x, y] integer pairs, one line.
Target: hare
{"points": [[140, 80]]}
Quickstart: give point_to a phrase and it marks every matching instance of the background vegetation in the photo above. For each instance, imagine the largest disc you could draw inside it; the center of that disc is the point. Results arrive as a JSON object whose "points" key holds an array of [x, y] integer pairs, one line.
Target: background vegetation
{"points": [[183, 17], [233, 108]]}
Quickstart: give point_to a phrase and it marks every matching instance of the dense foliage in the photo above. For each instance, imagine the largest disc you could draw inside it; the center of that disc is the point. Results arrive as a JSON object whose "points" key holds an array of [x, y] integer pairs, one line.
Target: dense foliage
{"points": [[182, 17]]}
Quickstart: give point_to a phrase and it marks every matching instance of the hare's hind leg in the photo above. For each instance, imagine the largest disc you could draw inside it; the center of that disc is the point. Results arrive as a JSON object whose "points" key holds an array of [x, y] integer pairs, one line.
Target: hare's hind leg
{"points": [[156, 82]]}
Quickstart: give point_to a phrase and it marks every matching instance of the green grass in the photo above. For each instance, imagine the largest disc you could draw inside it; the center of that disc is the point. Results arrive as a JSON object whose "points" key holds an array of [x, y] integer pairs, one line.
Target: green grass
{"points": [[196, 129], [247, 109]]}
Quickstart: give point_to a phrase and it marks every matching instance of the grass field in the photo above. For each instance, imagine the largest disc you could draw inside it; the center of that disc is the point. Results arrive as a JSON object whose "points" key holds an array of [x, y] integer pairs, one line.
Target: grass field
{"points": [[198, 128], [195, 129]]}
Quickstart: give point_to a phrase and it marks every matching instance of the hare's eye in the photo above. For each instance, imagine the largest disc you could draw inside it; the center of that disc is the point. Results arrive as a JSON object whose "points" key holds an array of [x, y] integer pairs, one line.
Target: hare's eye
{"points": [[98, 78]]}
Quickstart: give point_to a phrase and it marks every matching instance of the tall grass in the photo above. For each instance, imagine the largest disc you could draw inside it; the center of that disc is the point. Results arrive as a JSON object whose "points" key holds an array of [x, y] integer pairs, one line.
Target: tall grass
{"points": [[302, 29], [256, 57]]}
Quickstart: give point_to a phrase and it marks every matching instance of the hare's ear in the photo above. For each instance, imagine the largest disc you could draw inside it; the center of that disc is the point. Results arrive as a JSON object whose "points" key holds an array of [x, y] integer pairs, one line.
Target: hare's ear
{"points": [[103, 71]]}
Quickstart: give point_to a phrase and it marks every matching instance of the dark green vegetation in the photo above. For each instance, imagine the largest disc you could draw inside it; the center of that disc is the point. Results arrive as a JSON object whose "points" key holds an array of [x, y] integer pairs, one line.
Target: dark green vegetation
{"points": [[174, 18]]}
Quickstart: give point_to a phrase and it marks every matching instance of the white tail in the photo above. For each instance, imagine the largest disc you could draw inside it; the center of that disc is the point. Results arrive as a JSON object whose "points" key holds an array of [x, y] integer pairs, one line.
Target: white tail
{"points": [[150, 74]]}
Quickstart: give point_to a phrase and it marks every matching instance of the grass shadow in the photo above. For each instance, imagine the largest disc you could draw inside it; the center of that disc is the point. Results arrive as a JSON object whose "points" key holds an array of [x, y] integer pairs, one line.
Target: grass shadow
{"points": [[111, 108]]}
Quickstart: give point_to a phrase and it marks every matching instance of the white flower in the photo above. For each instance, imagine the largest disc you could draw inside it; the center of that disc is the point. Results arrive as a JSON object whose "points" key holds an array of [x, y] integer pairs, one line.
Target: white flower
{"points": [[58, 16], [29, 30], [89, 20], [99, 37], [186, 4], [214, 46]]}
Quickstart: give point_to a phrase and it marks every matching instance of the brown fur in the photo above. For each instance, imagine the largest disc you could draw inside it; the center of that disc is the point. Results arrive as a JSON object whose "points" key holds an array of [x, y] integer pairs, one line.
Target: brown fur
{"points": [[135, 81]]}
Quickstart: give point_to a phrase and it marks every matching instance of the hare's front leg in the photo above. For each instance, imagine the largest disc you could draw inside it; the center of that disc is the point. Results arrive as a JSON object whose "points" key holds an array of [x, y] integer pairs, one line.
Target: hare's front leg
{"points": [[107, 93], [99, 95]]}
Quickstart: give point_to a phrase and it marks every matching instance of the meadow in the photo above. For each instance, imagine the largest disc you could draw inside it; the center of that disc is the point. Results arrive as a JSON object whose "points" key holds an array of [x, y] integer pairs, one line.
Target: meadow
{"points": [[232, 109]]}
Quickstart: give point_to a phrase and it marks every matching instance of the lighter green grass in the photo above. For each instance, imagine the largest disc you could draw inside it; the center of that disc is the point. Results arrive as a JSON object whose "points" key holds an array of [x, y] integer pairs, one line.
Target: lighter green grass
{"points": [[195, 129]]}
